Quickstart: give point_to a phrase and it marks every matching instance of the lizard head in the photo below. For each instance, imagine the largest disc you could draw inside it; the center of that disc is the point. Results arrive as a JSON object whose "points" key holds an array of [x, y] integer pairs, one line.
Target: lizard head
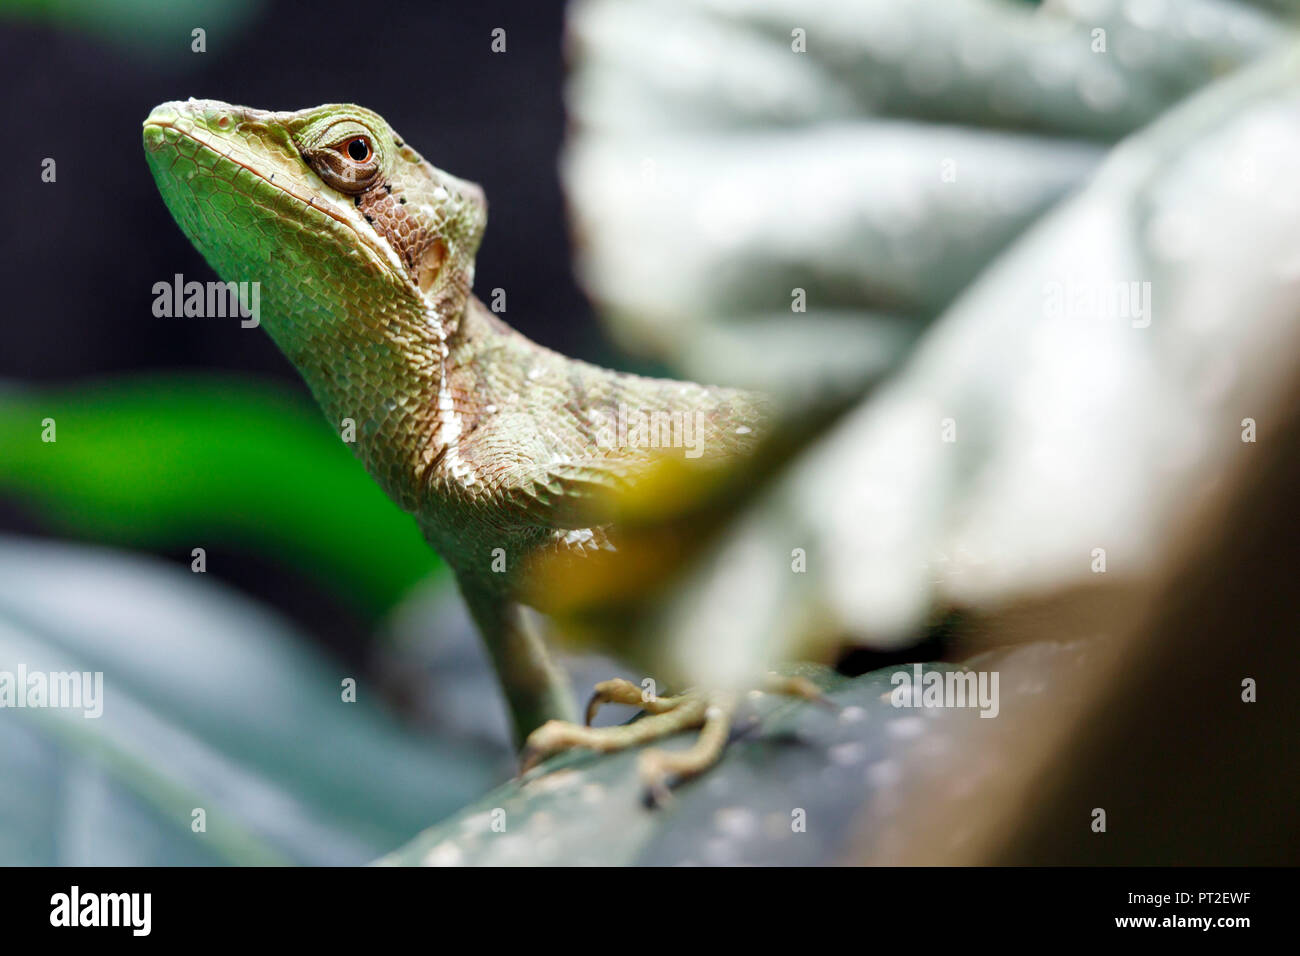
{"points": [[327, 208], [362, 255]]}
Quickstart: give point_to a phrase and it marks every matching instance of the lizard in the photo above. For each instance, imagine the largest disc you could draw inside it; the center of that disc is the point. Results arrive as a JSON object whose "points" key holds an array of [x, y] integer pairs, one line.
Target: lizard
{"points": [[500, 448]]}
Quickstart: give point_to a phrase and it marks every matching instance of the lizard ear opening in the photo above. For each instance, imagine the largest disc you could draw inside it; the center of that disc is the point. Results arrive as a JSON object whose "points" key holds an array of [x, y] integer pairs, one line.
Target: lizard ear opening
{"points": [[429, 267]]}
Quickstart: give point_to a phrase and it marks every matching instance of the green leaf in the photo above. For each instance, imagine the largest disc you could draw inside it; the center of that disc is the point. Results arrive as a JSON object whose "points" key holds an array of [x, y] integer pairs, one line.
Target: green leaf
{"points": [[169, 462], [143, 26]]}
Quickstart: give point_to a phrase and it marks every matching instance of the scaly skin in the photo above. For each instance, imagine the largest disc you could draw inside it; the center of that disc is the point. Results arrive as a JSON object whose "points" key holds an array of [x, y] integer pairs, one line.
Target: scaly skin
{"points": [[365, 257]]}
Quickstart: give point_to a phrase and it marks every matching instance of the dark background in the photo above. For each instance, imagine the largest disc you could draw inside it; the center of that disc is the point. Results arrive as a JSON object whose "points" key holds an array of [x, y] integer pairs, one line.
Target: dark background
{"points": [[81, 255]]}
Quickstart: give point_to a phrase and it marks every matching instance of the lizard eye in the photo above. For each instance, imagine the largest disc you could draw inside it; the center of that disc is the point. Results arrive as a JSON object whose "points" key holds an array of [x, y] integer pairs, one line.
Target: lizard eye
{"points": [[349, 163], [358, 149]]}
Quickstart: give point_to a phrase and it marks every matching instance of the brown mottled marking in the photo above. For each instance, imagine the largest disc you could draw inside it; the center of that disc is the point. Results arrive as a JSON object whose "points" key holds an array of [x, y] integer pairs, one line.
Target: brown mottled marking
{"points": [[422, 251]]}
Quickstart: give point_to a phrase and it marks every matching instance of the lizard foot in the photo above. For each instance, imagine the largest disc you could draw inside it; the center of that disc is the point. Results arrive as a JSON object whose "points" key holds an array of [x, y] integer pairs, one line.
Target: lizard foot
{"points": [[658, 769]]}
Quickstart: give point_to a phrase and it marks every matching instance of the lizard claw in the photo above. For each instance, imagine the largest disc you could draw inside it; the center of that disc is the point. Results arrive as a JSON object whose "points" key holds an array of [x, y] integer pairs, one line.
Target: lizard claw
{"points": [[593, 705], [529, 758], [798, 686]]}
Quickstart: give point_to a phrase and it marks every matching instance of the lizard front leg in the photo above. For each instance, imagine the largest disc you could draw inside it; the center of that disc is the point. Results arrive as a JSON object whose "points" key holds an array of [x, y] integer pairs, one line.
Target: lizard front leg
{"points": [[536, 688]]}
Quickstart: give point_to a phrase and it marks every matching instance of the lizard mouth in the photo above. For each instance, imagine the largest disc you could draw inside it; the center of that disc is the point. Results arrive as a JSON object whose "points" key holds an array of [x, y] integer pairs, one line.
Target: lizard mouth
{"points": [[169, 122]]}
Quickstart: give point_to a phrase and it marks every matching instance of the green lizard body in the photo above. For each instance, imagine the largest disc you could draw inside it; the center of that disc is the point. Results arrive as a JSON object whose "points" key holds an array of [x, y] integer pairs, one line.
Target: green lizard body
{"points": [[364, 254]]}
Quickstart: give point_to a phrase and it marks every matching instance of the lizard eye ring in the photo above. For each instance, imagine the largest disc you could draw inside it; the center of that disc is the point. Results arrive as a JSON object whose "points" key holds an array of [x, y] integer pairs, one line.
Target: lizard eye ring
{"points": [[357, 149], [349, 159]]}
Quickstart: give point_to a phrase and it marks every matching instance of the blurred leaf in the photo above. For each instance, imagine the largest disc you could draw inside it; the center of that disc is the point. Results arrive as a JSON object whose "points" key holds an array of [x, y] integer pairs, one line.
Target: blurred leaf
{"points": [[878, 171], [171, 462], [208, 702], [1077, 425], [157, 27]]}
